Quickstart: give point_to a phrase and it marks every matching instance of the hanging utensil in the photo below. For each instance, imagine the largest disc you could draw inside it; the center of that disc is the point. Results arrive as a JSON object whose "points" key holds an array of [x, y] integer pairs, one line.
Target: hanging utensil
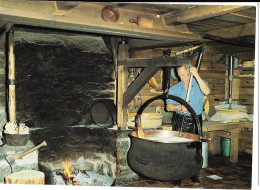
{"points": [[143, 22], [110, 14]]}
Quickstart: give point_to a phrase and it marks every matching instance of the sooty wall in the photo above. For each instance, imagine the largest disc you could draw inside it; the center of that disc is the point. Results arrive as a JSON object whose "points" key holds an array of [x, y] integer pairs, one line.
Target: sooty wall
{"points": [[56, 84]]}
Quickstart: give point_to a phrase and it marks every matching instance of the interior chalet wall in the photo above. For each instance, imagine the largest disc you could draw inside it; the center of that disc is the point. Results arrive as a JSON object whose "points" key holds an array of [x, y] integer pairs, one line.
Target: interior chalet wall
{"points": [[55, 85], [211, 70], [3, 115]]}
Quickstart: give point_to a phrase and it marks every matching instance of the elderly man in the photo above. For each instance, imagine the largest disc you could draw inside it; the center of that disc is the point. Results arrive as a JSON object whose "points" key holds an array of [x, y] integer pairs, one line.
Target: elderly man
{"points": [[199, 89], [182, 119]]}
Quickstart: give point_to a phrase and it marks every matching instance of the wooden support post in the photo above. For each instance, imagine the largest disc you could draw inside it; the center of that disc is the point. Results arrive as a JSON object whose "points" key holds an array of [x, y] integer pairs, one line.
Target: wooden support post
{"points": [[122, 84], [114, 44], [235, 90], [212, 143], [11, 77], [234, 138]]}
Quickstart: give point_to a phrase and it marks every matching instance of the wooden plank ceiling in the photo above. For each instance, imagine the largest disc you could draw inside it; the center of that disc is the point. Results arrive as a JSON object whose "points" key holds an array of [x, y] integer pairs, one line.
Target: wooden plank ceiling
{"points": [[173, 24], [230, 25]]}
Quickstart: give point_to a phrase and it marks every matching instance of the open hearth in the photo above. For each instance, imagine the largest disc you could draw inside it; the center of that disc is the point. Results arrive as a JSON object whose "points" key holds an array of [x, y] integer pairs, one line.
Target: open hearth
{"points": [[89, 148], [81, 178]]}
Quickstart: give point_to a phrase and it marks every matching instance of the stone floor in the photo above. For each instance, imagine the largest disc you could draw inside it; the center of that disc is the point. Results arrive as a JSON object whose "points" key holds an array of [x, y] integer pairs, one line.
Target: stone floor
{"points": [[235, 175]]}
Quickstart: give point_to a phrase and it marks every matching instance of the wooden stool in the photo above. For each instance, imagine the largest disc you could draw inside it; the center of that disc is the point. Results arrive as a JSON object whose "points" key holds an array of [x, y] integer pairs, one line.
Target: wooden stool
{"points": [[25, 177]]}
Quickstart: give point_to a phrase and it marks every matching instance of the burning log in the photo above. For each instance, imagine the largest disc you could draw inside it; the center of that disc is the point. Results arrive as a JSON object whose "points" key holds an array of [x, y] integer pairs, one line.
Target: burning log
{"points": [[71, 180], [82, 178]]}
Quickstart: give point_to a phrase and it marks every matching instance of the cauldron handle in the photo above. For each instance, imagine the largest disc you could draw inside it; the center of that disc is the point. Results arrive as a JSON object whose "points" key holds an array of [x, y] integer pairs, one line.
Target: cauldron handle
{"points": [[164, 97]]}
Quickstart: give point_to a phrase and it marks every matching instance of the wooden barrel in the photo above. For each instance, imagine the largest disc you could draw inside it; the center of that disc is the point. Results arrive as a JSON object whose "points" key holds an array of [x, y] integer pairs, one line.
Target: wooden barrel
{"points": [[149, 120]]}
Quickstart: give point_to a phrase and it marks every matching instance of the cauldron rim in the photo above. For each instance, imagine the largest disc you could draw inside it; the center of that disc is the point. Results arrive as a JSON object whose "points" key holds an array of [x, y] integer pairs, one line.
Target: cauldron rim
{"points": [[165, 133]]}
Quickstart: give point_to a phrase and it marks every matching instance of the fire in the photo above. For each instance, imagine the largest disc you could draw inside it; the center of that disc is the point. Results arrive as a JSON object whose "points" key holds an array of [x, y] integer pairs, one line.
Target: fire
{"points": [[67, 172]]}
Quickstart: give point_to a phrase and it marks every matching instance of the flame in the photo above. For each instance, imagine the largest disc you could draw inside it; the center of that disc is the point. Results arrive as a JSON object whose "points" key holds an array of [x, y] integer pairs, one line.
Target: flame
{"points": [[67, 172]]}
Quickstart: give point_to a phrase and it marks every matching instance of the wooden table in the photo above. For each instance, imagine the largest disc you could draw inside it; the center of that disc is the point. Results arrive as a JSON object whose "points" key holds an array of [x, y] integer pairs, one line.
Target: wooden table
{"points": [[227, 130]]}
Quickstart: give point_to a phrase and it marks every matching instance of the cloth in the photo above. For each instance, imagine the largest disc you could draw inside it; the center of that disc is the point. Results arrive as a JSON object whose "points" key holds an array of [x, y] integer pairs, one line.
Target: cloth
{"points": [[196, 95], [185, 122]]}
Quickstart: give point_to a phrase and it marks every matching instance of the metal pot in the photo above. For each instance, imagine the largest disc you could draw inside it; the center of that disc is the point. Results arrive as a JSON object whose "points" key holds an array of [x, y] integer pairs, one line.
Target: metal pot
{"points": [[16, 139], [161, 160], [103, 112]]}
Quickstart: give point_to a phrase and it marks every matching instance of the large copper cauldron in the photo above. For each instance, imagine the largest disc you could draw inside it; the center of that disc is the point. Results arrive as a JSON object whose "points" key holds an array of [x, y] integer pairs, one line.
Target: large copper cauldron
{"points": [[162, 160]]}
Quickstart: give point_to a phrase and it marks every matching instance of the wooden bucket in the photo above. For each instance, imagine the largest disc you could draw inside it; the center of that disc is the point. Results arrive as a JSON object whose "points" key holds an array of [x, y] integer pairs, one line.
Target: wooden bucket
{"points": [[149, 120]]}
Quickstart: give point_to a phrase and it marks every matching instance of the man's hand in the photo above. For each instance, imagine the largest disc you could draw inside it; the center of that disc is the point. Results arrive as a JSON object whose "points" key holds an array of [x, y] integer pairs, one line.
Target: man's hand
{"points": [[183, 108], [172, 107], [194, 72], [203, 86]]}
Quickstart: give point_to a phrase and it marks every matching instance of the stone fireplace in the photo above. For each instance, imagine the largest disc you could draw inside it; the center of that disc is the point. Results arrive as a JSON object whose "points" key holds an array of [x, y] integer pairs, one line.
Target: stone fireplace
{"points": [[86, 147], [56, 84]]}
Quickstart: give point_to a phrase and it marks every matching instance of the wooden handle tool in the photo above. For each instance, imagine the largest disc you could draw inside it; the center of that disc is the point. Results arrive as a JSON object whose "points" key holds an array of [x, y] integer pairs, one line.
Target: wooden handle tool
{"points": [[11, 158]]}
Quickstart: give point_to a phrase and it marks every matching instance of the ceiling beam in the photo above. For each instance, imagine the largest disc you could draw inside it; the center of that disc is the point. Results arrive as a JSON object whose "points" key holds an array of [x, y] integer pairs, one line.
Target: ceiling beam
{"points": [[220, 49], [139, 44], [4, 29], [235, 31], [200, 13], [61, 5], [86, 17], [226, 41], [162, 61]]}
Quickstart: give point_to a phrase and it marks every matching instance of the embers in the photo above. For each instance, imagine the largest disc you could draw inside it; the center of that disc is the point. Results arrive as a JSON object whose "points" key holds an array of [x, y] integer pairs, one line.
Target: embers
{"points": [[67, 175], [82, 178], [71, 176], [70, 181], [78, 177]]}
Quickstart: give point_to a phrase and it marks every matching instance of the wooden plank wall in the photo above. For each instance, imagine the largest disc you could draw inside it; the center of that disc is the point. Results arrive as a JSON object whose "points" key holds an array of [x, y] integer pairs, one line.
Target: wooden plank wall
{"points": [[212, 72], [3, 70], [246, 91], [246, 84], [245, 141]]}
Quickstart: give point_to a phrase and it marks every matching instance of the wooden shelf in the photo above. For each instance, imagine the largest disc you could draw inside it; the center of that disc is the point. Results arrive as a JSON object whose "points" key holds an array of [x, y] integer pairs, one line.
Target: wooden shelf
{"points": [[245, 68], [240, 76]]}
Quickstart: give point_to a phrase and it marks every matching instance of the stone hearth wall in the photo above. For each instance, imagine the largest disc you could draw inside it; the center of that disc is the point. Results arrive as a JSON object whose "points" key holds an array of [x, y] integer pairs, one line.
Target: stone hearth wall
{"points": [[90, 148], [28, 162], [3, 115], [55, 88], [56, 85]]}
